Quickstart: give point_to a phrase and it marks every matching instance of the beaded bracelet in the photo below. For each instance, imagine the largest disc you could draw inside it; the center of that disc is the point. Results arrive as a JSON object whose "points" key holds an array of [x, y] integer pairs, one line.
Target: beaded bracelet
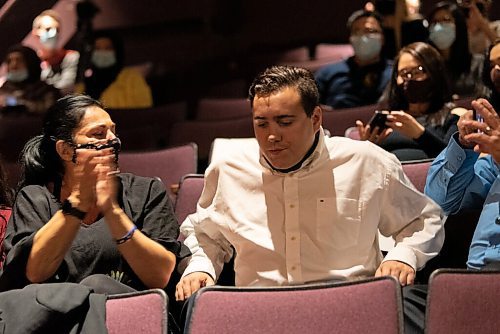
{"points": [[127, 236]]}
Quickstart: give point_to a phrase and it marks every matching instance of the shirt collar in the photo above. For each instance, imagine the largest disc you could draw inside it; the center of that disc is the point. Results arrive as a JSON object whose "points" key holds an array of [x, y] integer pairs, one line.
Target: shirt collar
{"points": [[304, 164]]}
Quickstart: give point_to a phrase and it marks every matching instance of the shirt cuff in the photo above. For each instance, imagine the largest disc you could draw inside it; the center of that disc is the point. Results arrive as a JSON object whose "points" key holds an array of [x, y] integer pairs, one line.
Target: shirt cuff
{"points": [[402, 254], [200, 266], [456, 155]]}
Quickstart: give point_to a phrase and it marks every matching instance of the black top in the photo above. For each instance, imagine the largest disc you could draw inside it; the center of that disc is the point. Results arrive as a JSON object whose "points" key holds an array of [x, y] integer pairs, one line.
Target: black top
{"points": [[94, 251], [434, 139]]}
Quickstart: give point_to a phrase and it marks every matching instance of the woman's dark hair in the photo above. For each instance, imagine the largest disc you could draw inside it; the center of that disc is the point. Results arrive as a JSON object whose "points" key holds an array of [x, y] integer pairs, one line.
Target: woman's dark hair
{"points": [[433, 64], [5, 190], [40, 161], [101, 78], [276, 78], [30, 58], [460, 56]]}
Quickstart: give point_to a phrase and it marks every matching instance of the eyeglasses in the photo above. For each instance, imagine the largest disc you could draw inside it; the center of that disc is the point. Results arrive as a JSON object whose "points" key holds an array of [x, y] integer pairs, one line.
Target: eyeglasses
{"points": [[415, 73]]}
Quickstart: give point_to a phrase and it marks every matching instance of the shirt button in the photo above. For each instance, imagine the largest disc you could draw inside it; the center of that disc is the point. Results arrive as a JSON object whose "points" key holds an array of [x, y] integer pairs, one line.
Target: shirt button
{"points": [[292, 206], [294, 238], [293, 268], [497, 221], [459, 158]]}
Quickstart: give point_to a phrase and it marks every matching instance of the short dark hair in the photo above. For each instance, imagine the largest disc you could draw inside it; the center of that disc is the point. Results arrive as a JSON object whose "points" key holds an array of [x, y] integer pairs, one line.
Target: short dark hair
{"points": [[31, 60], [276, 78], [434, 66], [40, 161], [360, 14]]}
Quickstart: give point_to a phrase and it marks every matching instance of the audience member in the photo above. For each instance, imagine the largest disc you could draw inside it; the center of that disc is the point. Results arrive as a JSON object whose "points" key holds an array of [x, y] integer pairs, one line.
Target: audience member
{"points": [[59, 66], [23, 90], [448, 33], [482, 32], [301, 207], [422, 119], [360, 79], [491, 75], [107, 80], [5, 205], [76, 219], [463, 178], [401, 22]]}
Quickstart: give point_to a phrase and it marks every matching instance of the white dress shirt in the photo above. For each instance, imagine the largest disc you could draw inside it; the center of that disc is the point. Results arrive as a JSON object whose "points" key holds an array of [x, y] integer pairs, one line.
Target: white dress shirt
{"points": [[317, 223]]}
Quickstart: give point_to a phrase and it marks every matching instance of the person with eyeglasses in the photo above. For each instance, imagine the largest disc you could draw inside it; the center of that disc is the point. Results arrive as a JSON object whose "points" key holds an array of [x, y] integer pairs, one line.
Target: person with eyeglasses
{"points": [[422, 118], [361, 79]]}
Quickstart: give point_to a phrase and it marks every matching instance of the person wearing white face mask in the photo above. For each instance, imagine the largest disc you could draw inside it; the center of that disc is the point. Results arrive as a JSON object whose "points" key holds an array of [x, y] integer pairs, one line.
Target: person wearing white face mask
{"points": [[23, 90], [109, 81], [448, 33], [59, 66], [360, 79]]}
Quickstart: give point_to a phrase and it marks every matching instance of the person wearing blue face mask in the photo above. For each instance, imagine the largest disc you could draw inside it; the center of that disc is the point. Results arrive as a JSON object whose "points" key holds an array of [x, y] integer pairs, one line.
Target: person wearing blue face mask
{"points": [[109, 81], [59, 66], [360, 79], [448, 33], [23, 90]]}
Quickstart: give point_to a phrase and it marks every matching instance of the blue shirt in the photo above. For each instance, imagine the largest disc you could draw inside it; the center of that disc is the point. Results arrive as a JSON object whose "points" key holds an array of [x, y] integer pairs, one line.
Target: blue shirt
{"points": [[346, 85], [460, 179]]}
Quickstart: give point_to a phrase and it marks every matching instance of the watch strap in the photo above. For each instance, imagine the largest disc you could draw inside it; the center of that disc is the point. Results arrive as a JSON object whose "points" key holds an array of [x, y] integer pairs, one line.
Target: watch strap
{"points": [[70, 210]]}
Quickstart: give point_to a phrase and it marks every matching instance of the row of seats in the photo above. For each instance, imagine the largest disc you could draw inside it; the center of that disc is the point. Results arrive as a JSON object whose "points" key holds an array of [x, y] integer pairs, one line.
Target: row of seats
{"points": [[459, 301]]}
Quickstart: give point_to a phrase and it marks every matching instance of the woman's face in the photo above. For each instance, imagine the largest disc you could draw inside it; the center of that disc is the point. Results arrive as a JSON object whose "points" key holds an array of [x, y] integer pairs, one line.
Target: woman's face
{"points": [[442, 16], [495, 67], [410, 68], [95, 127], [15, 62]]}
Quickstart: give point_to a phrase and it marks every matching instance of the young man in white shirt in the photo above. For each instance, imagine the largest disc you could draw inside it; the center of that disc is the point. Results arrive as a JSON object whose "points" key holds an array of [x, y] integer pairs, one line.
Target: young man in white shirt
{"points": [[301, 207]]}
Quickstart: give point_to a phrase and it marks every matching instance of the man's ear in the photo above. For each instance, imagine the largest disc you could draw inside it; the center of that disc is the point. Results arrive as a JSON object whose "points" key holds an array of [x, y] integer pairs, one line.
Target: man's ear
{"points": [[317, 118], [65, 150]]}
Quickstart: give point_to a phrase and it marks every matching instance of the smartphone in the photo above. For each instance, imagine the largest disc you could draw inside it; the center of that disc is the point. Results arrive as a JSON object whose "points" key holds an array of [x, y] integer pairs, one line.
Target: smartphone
{"points": [[378, 120], [478, 118]]}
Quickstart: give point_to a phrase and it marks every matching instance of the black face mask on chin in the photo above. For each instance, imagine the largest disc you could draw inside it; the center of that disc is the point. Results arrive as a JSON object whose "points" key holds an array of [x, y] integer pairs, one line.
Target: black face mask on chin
{"points": [[417, 91], [114, 143]]}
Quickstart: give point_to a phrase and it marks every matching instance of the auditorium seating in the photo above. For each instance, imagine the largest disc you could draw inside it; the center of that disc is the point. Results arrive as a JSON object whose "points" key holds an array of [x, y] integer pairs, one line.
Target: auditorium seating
{"points": [[338, 120], [137, 312], [365, 306], [169, 164], [463, 302]]}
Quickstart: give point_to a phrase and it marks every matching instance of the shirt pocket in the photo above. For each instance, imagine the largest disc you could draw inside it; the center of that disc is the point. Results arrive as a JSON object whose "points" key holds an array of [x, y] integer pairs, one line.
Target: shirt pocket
{"points": [[338, 222]]}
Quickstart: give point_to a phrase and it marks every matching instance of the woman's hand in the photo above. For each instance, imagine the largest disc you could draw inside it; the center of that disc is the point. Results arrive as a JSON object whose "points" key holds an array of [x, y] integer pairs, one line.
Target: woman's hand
{"points": [[405, 124], [375, 136], [106, 183]]}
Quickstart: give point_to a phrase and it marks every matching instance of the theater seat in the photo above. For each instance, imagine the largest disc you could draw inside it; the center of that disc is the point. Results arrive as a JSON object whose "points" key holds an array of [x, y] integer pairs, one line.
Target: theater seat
{"points": [[365, 306]]}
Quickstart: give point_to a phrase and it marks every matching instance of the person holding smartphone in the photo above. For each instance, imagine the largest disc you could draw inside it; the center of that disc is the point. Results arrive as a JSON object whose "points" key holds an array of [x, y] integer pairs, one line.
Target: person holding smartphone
{"points": [[421, 118]]}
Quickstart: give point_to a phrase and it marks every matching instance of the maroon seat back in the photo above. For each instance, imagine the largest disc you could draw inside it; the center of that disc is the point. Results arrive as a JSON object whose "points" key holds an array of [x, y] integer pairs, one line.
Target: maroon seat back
{"points": [[189, 192], [463, 302], [169, 164], [417, 172], [337, 121], [137, 312], [222, 109], [365, 306]]}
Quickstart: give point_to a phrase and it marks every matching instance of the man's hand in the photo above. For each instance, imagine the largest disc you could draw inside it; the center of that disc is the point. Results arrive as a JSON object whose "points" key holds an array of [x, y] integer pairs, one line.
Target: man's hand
{"points": [[401, 271], [191, 283], [488, 140]]}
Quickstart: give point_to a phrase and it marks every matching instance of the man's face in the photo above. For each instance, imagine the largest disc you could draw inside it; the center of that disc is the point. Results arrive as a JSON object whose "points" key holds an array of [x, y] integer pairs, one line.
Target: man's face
{"points": [[45, 25], [282, 128]]}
